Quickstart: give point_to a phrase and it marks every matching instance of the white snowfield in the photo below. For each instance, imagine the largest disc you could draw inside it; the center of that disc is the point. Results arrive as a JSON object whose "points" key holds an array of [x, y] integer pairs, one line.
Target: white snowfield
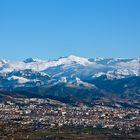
{"points": [[71, 68]]}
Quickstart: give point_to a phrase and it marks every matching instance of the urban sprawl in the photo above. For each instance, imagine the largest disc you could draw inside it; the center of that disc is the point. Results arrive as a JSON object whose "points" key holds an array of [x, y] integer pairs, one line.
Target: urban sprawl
{"points": [[36, 113]]}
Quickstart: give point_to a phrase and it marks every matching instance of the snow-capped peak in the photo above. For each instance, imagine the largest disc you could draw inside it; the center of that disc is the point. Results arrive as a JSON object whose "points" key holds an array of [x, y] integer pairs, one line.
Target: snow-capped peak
{"points": [[73, 59], [3, 61], [30, 60]]}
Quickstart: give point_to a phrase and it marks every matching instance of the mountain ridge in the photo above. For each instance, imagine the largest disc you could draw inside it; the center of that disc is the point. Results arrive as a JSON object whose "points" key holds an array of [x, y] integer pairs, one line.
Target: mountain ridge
{"points": [[74, 78], [71, 67]]}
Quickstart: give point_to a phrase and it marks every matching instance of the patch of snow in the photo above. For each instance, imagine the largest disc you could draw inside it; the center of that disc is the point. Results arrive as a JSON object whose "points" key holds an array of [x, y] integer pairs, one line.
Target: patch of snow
{"points": [[21, 80]]}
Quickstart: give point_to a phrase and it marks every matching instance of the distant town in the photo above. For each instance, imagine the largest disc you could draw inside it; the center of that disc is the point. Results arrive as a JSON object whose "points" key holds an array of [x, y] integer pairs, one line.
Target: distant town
{"points": [[22, 114]]}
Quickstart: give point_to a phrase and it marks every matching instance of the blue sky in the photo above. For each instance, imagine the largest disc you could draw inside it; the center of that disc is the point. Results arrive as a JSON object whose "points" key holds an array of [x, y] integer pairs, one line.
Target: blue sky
{"points": [[49, 29]]}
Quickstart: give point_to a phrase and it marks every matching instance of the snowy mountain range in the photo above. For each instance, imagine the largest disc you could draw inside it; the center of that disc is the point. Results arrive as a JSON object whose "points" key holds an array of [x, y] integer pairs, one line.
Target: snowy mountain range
{"points": [[74, 79], [72, 70]]}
